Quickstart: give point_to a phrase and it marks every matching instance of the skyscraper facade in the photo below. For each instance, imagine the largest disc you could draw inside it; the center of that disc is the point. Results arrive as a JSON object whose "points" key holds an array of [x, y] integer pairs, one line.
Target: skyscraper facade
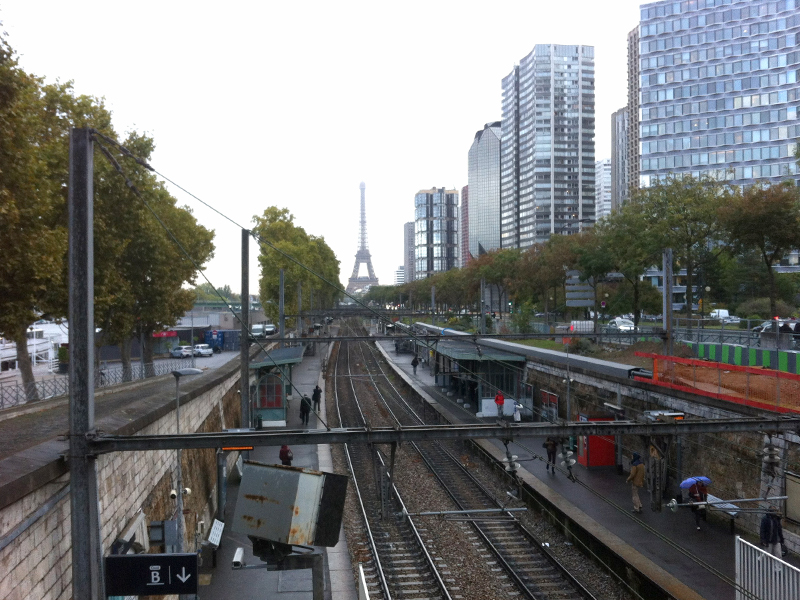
{"points": [[408, 250], [602, 188], [463, 227], [719, 89], [620, 185], [547, 145], [633, 109], [484, 190], [400, 275], [435, 231]]}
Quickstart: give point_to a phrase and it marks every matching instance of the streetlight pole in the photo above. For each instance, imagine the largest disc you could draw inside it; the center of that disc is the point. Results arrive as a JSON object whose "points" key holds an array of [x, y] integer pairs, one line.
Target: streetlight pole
{"points": [[178, 477]]}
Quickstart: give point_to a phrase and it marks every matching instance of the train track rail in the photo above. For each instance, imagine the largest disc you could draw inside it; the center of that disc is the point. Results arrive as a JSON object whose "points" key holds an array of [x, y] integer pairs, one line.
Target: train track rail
{"points": [[534, 571], [401, 565]]}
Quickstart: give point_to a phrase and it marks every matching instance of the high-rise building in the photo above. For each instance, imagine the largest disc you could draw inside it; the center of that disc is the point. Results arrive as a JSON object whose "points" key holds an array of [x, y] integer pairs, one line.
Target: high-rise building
{"points": [[620, 186], [547, 148], [633, 110], [484, 190], [602, 187], [400, 275], [436, 231], [463, 227], [408, 250], [719, 89]]}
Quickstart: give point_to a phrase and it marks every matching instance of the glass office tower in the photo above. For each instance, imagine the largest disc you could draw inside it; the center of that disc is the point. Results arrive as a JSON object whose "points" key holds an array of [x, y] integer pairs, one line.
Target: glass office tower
{"points": [[435, 231], [484, 190], [547, 145], [719, 89]]}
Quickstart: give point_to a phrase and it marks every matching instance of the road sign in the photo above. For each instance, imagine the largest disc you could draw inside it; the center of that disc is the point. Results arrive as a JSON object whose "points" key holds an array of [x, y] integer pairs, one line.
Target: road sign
{"points": [[214, 333], [151, 574]]}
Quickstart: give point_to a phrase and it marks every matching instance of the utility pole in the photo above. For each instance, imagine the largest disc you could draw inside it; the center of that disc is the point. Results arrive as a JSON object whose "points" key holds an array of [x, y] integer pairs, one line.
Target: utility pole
{"points": [[281, 311], [244, 383], [667, 300], [87, 551], [482, 317], [433, 305], [299, 309]]}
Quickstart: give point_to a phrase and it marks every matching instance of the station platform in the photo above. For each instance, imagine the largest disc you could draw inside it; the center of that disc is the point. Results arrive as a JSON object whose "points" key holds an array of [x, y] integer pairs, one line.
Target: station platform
{"points": [[665, 546], [223, 583]]}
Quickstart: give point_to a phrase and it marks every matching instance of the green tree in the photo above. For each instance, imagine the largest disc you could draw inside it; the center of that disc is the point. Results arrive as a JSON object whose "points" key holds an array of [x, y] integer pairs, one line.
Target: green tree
{"points": [[765, 218]]}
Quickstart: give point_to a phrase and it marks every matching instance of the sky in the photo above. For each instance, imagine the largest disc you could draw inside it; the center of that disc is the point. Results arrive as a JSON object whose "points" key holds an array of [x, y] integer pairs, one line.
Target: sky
{"points": [[294, 104]]}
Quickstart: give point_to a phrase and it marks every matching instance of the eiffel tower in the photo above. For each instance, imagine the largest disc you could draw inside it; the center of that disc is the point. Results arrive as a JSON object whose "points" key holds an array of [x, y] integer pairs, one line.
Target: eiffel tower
{"points": [[362, 256]]}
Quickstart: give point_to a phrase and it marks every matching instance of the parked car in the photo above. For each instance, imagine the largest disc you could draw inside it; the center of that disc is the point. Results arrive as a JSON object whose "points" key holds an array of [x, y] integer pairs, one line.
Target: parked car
{"points": [[203, 350], [732, 319], [270, 329], [181, 352], [621, 325]]}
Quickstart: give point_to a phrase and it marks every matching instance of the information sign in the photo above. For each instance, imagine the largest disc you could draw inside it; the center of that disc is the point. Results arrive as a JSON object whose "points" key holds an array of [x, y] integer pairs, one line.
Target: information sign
{"points": [[151, 574]]}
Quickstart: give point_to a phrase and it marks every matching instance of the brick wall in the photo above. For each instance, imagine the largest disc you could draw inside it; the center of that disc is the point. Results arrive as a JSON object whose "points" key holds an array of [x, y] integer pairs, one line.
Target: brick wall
{"points": [[37, 564]]}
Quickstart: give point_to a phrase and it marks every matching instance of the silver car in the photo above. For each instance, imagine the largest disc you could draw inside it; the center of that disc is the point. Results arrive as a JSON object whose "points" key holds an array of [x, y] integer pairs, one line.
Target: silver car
{"points": [[181, 352]]}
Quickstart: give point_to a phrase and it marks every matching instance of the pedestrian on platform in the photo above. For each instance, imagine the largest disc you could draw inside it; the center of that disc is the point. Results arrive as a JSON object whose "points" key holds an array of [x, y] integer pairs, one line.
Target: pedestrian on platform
{"points": [[499, 400], [316, 396], [772, 532], [286, 455], [414, 363], [551, 446], [698, 492], [637, 480], [305, 409]]}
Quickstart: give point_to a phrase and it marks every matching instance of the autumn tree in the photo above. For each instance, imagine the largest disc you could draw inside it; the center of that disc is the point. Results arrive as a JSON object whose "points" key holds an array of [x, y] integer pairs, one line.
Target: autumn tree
{"points": [[765, 218]]}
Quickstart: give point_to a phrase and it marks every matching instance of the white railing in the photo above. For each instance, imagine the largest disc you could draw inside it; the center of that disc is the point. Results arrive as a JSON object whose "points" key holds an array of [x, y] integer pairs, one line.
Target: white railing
{"points": [[761, 576]]}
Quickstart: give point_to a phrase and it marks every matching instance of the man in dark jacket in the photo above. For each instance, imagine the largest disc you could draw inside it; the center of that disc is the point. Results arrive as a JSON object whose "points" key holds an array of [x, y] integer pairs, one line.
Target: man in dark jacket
{"points": [[772, 532], [414, 363], [316, 396], [305, 409], [551, 446]]}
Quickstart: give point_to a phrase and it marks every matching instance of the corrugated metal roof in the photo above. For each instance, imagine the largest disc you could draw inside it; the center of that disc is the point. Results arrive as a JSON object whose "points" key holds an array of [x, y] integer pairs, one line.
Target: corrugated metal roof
{"points": [[466, 351], [281, 356]]}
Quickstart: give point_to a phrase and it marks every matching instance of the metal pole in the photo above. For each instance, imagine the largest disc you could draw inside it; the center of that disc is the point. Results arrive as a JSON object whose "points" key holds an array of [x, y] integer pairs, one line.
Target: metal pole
{"points": [[281, 312], [299, 309], [244, 354], [667, 300], [222, 483], [482, 317], [87, 570], [178, 478], [433, 305]]}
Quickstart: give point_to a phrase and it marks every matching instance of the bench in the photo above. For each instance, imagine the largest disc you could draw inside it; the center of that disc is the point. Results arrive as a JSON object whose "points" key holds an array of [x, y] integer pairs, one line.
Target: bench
{"points": [[727, 507]]}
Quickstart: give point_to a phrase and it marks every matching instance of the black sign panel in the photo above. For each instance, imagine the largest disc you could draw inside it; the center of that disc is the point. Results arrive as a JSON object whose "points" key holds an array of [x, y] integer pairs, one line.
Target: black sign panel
{"points": [[151, 574]]}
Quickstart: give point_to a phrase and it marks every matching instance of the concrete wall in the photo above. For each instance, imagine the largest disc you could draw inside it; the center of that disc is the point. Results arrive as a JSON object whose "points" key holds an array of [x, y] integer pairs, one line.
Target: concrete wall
{"points": [[37, 564]]}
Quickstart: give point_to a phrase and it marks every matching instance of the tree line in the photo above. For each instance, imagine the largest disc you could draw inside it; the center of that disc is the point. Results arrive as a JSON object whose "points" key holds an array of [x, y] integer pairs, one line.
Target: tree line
{"points": [[726, 238], [140, 272]]}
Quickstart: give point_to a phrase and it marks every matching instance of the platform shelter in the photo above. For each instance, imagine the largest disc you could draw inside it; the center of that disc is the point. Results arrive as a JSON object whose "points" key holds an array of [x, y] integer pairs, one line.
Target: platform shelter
{"points": [[273, 385]]}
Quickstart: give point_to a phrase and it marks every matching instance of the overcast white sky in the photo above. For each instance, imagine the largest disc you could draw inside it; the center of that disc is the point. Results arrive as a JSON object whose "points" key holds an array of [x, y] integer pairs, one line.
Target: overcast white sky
{"points": [[293, 104]]}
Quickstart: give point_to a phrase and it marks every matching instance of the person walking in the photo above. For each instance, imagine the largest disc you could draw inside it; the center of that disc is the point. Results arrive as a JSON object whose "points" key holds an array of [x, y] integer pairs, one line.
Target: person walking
{"points": [[551, 446], [772, 532], [286, 455], [499, 400], [305, 409], [316, 396], [637, 480], [698, 493], [414, 363]]}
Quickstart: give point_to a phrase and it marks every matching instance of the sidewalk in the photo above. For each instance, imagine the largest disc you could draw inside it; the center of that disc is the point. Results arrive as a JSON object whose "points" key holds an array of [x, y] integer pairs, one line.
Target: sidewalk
{"points": [[604, 496], [257, 584]]}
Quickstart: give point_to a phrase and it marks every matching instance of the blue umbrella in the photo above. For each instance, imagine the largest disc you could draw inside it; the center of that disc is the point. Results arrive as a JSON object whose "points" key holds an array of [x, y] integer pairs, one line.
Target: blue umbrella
{"points": [[687, 483]]}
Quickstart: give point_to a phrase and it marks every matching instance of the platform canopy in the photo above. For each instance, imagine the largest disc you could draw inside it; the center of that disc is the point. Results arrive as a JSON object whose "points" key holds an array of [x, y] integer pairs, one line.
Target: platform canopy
{"points": [[458, 350], [282, 356]]}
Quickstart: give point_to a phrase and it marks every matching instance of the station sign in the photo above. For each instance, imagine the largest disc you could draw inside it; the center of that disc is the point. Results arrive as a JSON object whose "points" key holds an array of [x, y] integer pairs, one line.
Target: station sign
{"points": [[151, 574]]}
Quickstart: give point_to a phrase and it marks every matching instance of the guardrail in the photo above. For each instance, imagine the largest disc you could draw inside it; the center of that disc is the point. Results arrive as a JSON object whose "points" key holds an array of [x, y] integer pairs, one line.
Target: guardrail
{"points": [[763, 576], [14, 394]]}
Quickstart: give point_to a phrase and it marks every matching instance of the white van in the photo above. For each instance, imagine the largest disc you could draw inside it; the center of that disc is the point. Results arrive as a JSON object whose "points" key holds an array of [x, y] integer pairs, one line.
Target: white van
{"points": [[581, 327], [719, 314]]}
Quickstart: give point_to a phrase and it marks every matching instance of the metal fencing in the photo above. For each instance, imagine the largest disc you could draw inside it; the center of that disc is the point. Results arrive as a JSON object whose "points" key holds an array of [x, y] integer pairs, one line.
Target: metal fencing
{"points": [[14, 394], [759, 575]]}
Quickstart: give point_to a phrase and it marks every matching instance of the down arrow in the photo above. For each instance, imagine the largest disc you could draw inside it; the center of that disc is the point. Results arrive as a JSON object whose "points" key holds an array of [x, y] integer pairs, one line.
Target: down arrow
{"points": [[183, 576]]}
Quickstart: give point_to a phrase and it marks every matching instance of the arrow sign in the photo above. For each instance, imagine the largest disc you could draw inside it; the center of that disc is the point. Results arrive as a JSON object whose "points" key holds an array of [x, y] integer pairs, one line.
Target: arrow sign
{"points": [[151, 574]]}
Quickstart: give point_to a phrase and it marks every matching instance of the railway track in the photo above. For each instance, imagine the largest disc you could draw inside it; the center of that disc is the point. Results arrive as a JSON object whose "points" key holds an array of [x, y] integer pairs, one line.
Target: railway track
{"points": [[401, 565], [522, 559]]}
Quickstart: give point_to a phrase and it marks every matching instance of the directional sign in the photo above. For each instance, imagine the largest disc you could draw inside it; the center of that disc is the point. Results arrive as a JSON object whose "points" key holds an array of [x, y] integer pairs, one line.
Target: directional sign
{"points": [[151, 574]]}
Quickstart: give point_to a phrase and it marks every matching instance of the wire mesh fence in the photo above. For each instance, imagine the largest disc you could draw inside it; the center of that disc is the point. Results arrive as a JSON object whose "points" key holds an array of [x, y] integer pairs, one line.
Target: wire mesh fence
{"points": [[762, 388], [16, 393]]}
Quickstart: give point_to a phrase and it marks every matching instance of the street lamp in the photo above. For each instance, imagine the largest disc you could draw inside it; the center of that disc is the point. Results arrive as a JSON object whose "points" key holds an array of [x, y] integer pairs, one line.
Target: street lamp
{"points": [[179, 483]]}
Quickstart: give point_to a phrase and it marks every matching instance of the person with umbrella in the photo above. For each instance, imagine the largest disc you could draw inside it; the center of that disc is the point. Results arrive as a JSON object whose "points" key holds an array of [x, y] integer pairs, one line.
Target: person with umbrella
{"points": [[772, 532], [698, 492]]}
